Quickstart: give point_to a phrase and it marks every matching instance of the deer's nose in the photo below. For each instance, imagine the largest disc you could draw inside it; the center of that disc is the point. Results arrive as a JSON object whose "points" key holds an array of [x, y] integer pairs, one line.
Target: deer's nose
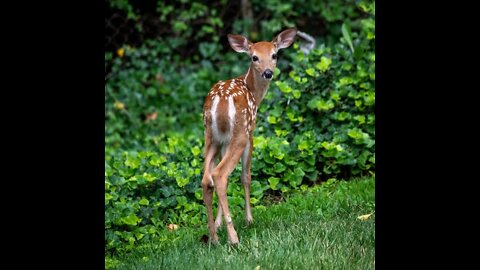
{"points": [[267, 74]]}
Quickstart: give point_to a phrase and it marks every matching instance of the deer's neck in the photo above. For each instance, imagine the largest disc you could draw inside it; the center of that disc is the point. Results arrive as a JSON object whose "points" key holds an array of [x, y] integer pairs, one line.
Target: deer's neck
{"points": [[256, 84]]}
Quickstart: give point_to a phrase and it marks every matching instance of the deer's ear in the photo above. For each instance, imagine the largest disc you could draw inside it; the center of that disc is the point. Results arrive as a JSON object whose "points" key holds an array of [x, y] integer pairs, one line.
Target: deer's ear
{"points": [[285, 38], [239, 43]]}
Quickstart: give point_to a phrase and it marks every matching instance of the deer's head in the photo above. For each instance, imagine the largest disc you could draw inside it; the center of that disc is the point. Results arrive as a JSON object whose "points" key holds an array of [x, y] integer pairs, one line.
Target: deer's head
{"points": [[263, 54]]}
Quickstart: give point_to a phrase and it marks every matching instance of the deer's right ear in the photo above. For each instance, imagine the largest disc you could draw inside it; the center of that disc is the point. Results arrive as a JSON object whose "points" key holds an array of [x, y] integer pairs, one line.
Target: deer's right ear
{"points": [[239, 43]]}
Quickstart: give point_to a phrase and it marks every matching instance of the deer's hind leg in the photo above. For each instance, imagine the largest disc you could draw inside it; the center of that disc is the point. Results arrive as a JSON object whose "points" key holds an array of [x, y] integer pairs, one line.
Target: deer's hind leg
{"points": [[220, 178], [208, 185]]}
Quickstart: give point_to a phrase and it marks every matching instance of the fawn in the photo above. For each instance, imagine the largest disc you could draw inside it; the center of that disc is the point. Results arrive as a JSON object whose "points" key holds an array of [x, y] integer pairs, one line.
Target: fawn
{"points": [[229, 116]]}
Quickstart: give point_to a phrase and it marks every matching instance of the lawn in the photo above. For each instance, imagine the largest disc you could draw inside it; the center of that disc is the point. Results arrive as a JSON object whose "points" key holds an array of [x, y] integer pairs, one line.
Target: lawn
{"points": [[322, 228]]}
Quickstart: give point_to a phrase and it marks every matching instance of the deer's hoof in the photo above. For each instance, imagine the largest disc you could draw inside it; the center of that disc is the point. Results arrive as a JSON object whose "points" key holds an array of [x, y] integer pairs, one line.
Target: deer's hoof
{"points": [[233, 243], [233, 240], [214, 242]]}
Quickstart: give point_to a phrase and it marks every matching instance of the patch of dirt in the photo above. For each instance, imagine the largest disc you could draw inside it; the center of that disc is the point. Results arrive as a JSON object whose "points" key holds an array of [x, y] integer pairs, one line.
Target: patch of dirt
{"points": [[271, 198]]}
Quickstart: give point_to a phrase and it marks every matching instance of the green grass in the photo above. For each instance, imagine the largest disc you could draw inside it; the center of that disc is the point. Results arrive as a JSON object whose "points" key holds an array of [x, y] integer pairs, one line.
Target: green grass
{"points": [[317, 229]]}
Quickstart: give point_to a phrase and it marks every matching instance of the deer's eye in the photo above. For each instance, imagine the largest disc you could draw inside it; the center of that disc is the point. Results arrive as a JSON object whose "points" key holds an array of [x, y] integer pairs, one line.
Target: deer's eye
{"points": [[254, 58], [274, 56]]}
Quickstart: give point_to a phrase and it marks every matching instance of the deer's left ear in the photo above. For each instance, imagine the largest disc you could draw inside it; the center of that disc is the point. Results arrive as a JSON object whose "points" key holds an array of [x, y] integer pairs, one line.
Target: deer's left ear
{"points": [[285, 38]]}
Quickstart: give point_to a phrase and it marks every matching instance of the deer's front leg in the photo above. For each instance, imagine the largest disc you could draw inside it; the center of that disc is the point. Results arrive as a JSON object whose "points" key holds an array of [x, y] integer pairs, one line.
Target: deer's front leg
{"points": [[246, 178], [218, 220]]}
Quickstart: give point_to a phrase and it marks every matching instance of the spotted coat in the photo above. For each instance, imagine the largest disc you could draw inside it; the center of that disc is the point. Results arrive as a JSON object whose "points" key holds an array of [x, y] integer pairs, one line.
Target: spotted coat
{"points": [[230, 106]]}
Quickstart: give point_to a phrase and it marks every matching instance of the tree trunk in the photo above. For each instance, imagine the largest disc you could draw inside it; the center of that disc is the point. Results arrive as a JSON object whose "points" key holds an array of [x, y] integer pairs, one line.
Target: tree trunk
{"points": [[247, 14]]}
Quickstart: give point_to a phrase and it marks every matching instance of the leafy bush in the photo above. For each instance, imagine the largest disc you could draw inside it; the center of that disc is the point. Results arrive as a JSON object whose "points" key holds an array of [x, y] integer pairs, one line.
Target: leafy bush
{"points": [[316, 123], [188, 27], [322, 113]]}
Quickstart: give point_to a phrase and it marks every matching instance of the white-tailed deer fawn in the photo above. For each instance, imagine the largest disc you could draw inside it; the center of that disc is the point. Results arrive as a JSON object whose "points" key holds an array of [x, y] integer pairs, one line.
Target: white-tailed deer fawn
{"points": [[229, 116]]}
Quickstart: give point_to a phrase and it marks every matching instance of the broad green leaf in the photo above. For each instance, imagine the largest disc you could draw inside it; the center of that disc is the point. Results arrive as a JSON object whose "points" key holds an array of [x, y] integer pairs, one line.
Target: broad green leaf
{"points": [[198, 194], [320, 104], [108, 169], [310, 71], [143, 201], [139, 235], [291, 115], [284, 87], [149, 177], [276, 111], [182, 181], [131, 219], [347, 66], [281, 132], [179, 26], [299, 173], [256, 189], [145, 154], [303, 145], [324, 64], [360, 119], [182, 200], [342, 116], [157, 160], [335, 96], [294, 182], [272, 119], [364, 6], [196, 150], [345, 81], [278, 155], [273, 181], [132, 162], [279, 167], [296, 94], [355, 134], [276, 72]]}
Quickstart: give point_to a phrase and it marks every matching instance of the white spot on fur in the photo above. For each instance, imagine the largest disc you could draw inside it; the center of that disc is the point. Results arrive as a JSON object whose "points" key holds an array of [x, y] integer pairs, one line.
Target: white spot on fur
{"points": [[232, 84], [219, 136], [231, 112]]}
